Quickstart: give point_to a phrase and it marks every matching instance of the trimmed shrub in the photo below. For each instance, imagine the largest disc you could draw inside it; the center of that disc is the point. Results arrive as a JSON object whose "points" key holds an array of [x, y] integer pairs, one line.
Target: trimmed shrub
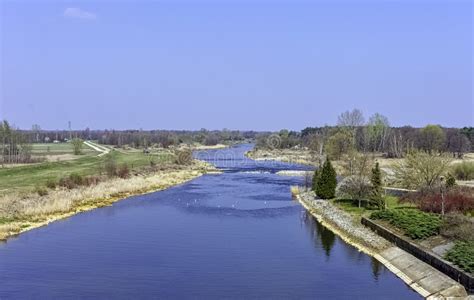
{"points": [[464, 171], [415, 224], [327, 182], [462, 254]]}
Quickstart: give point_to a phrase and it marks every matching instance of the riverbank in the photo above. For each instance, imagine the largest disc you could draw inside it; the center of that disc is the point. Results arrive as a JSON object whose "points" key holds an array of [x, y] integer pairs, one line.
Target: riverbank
{"points": [[23, 212], [421, 277]]}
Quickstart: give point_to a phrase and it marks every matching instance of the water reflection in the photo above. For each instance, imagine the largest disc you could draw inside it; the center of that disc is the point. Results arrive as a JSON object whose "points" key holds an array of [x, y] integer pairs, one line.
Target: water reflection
{"points": [[376, 268], [321, 236]]}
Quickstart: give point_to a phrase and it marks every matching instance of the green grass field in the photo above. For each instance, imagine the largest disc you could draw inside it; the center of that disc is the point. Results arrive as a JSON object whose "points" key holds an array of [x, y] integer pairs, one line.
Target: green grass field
{"points": [[27, 178]]}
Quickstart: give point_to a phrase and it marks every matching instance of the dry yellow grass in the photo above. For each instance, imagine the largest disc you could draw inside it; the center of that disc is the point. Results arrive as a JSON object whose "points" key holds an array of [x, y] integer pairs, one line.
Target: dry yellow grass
{"points": [[295, 191], [21, 213]]}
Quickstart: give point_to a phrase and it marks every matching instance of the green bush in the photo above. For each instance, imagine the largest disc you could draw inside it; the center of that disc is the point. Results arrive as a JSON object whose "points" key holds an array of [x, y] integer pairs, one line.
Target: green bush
{"points": [[51, 184], [464, 171], [71, 181], [76, 179], [416, 224], [462, 254], [41, 191]]}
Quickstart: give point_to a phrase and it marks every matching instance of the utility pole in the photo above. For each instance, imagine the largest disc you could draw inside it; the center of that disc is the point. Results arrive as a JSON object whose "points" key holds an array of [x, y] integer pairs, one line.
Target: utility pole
{"points": [[70, 132]]}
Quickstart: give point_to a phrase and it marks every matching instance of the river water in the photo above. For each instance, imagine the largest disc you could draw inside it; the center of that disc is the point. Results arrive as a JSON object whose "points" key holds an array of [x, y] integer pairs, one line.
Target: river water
{"points": [[233, 235]]}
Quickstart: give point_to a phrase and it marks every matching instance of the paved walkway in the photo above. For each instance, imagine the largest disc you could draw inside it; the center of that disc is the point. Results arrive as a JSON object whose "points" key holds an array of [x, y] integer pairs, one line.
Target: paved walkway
{"points": [[423, 278]]}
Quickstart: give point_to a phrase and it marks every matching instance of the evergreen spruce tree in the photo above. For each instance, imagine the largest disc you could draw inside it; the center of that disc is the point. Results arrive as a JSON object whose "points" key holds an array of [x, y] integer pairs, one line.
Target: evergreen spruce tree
{"points": [[377, 190], [327, 182]]}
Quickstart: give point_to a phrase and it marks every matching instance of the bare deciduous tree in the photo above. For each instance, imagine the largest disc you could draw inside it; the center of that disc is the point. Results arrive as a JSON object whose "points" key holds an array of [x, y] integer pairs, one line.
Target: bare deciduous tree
{"points": [[377, 132], [351, 119], [421, 169]]}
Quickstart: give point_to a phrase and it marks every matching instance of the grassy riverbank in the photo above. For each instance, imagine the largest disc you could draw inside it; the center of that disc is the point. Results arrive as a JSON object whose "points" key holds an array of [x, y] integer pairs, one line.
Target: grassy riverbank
{"points": [[37, 194]]}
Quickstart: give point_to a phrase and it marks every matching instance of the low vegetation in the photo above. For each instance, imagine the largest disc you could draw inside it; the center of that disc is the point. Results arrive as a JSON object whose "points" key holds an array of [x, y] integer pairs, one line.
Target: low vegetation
{"points": [[462, 254], [26, 178], [415, 224], [464, 170], [454, 199], [27, 211], [457, 227]]}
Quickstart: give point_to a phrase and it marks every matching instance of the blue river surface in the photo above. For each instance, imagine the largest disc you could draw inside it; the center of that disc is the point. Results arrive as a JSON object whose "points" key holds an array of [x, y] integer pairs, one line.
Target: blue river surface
{"points": [[237, 234]]}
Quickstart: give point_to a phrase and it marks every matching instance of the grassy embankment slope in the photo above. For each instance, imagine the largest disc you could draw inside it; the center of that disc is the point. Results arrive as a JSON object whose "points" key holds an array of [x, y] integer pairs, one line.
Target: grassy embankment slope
{"points": [[22, 207], [26, 178]]}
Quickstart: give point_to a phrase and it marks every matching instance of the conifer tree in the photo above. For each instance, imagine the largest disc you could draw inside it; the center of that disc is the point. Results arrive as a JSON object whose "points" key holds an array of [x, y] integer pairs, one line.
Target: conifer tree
{"points": [[377, 190], [327, 181]]}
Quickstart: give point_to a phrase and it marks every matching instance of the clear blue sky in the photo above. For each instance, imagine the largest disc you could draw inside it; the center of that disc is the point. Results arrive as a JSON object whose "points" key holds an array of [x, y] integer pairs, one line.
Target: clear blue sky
{"points": [[260, 65]]}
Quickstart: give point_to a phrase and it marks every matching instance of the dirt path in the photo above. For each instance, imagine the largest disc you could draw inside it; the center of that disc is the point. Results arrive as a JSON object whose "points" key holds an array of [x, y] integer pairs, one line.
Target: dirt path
{"points": [[103, 150]]}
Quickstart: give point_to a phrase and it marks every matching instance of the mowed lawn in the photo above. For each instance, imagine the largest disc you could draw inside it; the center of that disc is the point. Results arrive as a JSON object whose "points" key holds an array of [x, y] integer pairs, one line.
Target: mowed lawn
{"points": [[27, 178]]}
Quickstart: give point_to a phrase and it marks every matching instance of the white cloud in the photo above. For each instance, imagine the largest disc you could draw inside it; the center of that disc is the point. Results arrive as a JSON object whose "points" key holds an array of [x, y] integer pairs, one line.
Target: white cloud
{"points": [[77, 13]]}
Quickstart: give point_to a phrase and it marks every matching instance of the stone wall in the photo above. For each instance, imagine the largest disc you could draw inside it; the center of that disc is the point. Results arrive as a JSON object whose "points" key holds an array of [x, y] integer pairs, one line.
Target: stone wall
{"points": [[467, 280]]}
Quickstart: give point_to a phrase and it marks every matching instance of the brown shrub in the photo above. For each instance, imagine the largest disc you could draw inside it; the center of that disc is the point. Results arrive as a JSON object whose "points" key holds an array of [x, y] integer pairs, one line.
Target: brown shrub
{"points": [[123, 171], [457, 199], [91, 180], [67, 183], [71, 181], [110, 166], [41, 191], [458, 227], [51, 184]]}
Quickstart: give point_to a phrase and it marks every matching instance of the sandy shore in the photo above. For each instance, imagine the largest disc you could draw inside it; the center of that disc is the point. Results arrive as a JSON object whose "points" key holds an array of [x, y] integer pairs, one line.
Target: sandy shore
{"points": [[36, 211]]}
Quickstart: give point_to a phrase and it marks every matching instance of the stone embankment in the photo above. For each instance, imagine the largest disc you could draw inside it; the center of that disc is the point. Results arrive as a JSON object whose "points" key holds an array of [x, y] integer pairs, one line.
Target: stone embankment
{"points": [[424, 279]]}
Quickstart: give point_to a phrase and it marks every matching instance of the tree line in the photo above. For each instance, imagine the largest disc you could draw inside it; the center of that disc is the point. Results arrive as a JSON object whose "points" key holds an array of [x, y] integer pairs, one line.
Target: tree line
{"points": [[353, 133]]}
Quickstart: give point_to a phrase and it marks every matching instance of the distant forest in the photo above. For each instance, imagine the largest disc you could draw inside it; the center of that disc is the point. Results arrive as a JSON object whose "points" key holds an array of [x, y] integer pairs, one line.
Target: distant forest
{"points": [[351, 133]]}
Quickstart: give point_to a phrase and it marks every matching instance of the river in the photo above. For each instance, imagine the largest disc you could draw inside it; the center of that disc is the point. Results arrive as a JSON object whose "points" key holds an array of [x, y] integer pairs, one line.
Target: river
{"points": [[232, 235]]}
